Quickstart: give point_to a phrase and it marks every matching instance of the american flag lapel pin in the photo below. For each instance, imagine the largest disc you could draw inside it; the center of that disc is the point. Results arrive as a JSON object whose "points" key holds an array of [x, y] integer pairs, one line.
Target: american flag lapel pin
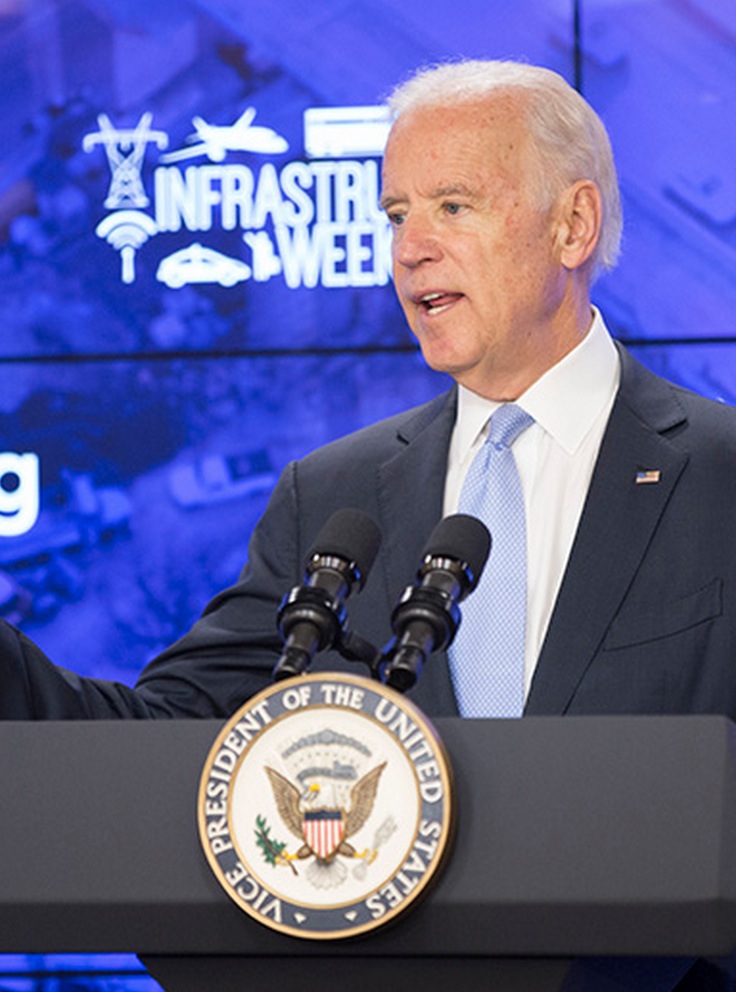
{"points": [[646, 476]]}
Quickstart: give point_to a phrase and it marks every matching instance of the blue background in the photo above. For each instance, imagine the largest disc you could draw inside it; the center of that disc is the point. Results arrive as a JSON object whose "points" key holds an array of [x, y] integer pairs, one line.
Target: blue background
{"points": [[124, 391]]}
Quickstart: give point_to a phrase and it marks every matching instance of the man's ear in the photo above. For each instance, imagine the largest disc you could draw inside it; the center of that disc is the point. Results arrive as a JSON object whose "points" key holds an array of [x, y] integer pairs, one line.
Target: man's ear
{"points": [[579, 223]]}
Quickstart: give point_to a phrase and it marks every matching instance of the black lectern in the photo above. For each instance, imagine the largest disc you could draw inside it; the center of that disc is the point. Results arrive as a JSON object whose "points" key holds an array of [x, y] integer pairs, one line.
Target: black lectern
{"points": [[591, 853]]}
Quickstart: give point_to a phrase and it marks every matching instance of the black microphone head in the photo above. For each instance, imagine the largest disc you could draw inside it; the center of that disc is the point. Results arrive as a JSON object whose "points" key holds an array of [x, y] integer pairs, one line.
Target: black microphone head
{"points": [[351, 535], [463, 538]]}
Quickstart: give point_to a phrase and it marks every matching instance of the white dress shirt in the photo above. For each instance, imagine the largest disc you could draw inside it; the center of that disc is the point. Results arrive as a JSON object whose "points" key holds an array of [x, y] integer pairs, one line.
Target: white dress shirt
{"points": [[555, 457]]}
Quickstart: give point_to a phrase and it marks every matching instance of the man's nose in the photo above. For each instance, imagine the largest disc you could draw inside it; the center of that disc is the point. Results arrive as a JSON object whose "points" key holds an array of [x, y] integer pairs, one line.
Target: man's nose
{"points": [[415, 242]]}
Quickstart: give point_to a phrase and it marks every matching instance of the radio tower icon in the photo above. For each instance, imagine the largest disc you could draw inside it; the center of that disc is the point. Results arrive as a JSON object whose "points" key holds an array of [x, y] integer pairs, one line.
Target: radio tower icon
{"points": [[127, 230], [128, 227]]}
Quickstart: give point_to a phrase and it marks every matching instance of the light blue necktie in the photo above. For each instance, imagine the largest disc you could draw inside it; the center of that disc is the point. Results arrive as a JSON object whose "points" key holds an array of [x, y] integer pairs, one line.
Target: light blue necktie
{"points": [[487, 656]]}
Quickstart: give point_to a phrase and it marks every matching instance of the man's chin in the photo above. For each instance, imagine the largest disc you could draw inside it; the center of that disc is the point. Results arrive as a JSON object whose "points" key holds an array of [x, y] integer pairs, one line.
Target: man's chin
{"points": [[442, 361]]}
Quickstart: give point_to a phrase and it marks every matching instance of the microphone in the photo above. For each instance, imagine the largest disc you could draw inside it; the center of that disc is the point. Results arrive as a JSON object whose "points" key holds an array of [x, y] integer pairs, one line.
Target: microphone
{"points": [[312, 616], [427, 616]]}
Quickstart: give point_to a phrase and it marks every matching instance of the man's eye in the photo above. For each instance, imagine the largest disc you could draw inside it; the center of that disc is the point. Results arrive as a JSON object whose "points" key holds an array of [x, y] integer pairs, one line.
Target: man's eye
{"points": [[452, 208], [395, 219]]}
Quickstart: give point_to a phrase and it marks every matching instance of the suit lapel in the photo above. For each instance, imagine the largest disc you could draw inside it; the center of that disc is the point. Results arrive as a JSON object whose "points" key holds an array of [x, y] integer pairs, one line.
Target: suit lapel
{"points": [[618, 520], [410, 497]]}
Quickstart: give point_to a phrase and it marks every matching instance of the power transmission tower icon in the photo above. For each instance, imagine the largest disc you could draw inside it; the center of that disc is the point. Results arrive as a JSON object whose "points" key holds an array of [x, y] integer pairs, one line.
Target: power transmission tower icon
{"points": [[125, 149]]}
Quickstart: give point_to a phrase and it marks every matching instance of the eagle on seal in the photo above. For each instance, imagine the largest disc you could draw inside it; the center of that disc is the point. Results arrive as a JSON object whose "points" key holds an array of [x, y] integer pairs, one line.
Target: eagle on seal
{"points": [[324, 830]]}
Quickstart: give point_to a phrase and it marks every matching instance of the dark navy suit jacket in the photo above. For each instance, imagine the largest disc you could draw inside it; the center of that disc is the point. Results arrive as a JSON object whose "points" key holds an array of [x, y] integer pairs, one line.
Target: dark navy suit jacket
{"points": [[645, 620]]}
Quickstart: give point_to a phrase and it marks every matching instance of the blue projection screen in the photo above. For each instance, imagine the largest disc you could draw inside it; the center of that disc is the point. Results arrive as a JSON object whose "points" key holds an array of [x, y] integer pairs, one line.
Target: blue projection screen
{"points": [[196, 286], [195, 273]]}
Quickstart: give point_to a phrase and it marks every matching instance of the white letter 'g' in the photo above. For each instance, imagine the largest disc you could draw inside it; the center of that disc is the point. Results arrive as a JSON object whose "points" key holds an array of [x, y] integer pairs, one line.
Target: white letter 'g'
{"points": [[19, 492]]}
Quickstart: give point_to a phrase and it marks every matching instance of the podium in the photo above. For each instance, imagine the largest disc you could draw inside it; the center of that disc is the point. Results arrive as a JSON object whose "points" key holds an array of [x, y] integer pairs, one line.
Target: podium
{"points": [[590, 853]]}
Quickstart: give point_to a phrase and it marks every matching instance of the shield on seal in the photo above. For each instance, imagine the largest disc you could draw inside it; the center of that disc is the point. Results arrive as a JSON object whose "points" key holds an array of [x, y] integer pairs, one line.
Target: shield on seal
{"points": [[324, 830]]}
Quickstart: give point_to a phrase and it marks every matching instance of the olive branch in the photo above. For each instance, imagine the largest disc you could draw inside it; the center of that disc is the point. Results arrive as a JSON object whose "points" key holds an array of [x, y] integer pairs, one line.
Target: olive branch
{"points": [[271, 849]]}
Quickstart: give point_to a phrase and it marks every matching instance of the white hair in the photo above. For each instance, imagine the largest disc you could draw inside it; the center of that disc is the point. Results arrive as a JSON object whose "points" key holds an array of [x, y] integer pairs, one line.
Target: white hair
{"points": [[570, 138]]}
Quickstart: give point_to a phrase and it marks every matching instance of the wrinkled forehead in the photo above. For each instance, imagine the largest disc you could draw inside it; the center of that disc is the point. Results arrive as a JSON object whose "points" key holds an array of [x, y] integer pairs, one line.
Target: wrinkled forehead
{"points": [[486, 137]]}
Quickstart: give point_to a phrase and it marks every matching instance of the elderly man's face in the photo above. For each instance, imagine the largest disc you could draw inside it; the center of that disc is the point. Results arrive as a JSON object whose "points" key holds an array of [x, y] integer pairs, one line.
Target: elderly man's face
{"points": [[475, 261]]}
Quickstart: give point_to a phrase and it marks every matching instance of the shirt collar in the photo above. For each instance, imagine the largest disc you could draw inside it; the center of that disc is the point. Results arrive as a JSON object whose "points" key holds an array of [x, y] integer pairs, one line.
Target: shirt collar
{"points": [[565, 401]]}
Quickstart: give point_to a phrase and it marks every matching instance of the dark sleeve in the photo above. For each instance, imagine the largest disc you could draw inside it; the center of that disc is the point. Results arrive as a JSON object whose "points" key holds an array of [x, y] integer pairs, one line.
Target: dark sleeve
{"points": [[31, 688], [230, 653], [227, 656]]}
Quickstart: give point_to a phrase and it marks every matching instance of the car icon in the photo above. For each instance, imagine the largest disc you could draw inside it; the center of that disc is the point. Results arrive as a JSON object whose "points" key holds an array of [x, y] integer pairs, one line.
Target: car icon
{"points": [[199, 264]]}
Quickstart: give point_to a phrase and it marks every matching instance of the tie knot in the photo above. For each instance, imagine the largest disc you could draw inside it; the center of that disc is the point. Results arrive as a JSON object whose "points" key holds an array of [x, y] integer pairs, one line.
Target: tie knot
{"points": [[507, 423]]}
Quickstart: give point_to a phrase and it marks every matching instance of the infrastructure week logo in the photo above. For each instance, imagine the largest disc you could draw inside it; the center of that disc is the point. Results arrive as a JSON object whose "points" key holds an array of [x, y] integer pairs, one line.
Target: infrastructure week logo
{"points": [[311, 221]]}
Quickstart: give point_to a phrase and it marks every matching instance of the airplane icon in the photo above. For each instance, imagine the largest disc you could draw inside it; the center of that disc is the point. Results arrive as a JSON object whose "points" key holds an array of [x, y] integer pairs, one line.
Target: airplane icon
{"points": [[215, 140]]}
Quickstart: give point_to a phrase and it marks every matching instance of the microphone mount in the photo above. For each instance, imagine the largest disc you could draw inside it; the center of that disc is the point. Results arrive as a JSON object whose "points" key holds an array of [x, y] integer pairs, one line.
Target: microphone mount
{"points": [[312, 616], [427, 616]]}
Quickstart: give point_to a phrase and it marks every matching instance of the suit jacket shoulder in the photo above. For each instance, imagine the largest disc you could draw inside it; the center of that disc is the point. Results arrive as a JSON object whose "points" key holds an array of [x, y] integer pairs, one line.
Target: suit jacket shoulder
{"points": [[672, 410], [645, 619]]}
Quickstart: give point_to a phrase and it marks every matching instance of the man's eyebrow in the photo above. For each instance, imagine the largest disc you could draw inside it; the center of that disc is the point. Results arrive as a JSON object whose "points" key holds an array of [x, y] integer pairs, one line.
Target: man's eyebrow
{"points": [[390, 201], [454, 189], [438, 193]]}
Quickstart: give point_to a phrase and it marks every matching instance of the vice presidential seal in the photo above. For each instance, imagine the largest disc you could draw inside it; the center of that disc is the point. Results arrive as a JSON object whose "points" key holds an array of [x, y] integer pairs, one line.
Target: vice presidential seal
{"points": [[325, 806]]}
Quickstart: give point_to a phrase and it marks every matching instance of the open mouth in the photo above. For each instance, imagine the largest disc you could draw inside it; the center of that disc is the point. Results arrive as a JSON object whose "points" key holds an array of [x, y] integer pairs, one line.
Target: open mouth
{"points": [[436, 303]]}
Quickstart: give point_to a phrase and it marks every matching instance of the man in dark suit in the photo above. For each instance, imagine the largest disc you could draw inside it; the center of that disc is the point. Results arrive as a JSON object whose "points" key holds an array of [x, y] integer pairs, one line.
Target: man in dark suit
{"points": [[499, 183], [500, 186]]}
